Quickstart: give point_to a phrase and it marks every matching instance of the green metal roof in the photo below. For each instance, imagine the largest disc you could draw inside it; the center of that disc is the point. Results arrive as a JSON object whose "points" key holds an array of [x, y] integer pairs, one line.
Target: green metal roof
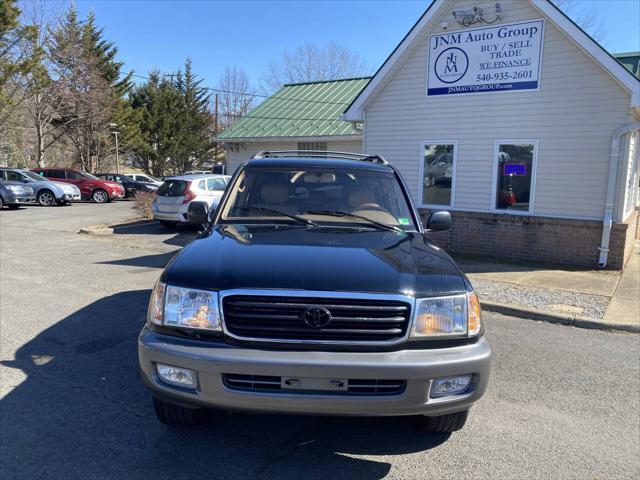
{"points": [[631, 60], [300, 110]]}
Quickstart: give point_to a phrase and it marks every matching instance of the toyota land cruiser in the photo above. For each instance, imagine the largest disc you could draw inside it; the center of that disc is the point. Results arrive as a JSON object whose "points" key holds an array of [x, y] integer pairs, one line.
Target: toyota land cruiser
{"points": [[315, 289]]}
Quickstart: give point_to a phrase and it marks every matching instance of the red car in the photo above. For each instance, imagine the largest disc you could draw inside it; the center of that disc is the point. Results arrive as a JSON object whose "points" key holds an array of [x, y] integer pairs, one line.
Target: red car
{"points": [[100, 191]]}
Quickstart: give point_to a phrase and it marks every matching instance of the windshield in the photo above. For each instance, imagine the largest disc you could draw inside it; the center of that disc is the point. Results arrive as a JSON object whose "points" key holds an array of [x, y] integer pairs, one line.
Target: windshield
{"points": [[33, 176], [88, 175], [333, 196], [148, 178]]}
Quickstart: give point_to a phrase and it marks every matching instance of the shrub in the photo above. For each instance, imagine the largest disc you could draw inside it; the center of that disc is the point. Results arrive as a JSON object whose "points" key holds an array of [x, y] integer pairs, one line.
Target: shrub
{"points": [[142, 203]]}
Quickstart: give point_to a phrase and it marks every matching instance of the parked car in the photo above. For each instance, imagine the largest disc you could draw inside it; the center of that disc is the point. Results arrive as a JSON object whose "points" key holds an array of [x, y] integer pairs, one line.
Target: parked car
{"points": [[144, 178], [315, 290], [197, 172], [48, 192], [131, 187], [14, 194], [91, 187], [174, 195]]}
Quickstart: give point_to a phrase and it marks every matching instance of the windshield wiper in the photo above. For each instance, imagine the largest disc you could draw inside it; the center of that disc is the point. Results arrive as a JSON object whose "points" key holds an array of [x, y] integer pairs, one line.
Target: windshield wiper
{"points": [[339, 213], [277, 212]]}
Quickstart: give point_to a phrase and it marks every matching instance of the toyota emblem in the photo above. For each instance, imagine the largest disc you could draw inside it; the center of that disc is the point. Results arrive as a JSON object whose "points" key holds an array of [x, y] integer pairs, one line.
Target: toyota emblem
{"points": [[316, 317]]}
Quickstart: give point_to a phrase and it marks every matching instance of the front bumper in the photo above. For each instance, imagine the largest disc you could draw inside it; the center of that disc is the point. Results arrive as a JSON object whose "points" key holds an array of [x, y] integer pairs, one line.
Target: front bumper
{"points": [[417, 367], [20, 199], [68, 197]]}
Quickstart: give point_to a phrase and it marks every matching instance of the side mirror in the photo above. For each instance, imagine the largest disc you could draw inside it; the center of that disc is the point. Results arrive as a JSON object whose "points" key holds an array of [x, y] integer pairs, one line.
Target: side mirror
{"points": [[198, 213], [439, 221]]}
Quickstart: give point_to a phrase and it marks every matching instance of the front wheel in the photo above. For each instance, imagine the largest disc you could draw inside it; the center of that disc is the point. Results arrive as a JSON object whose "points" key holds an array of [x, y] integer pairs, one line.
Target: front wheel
{"points": [[446, 423], [46, 198], [174, 415], [99, 196]]}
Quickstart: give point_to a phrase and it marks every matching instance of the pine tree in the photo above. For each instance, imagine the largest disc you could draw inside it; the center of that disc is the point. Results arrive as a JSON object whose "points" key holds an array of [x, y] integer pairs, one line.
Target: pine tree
{"points": [[175, 122], [195, 139], [90, 89]]}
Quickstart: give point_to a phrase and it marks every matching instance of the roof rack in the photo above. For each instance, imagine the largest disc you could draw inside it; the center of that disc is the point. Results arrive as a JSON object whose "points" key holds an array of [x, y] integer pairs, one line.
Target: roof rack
{"points": [[319, 154]]}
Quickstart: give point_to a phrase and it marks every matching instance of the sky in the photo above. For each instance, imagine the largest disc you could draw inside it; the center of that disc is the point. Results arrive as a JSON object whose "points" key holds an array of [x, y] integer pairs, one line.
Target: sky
{"points": [[161, 34]]}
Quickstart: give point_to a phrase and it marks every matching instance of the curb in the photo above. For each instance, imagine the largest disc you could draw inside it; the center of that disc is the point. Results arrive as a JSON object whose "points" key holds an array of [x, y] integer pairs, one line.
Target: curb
{"points": [[570, 320], [104, 229]]}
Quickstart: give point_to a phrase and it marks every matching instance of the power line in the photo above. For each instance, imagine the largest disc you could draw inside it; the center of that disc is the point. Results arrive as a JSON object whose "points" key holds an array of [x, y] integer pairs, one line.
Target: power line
{"points": [[219, 90]]}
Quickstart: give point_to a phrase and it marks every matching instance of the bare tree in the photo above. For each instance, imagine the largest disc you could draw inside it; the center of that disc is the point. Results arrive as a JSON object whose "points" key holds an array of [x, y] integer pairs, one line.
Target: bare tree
{"points": [[586, 16], [40, 102], [236, 96], [312, 63]]}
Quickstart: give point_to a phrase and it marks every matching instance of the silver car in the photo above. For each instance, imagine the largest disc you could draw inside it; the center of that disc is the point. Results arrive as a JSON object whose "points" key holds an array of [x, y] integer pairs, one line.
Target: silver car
{"points": [[47, 192], [175, 194], [144, 178]]}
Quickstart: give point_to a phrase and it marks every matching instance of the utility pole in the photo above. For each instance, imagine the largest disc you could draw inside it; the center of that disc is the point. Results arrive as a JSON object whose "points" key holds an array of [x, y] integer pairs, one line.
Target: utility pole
{"points": [[215, 129], [117, 162], [114, 129]]}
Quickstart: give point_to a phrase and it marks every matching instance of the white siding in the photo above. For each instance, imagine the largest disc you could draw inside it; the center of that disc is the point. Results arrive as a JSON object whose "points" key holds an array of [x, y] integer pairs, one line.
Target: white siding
{"points": [[572, 116], [248, 150]]}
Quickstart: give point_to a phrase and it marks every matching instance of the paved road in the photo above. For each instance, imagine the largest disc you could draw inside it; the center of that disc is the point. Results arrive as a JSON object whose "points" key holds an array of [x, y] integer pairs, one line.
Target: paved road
{"points": [[562, 403]]}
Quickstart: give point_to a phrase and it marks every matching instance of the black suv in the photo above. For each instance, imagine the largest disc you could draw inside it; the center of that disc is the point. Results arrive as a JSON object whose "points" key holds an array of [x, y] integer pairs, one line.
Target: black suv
{"points": [[131, 187], [315, 289]]}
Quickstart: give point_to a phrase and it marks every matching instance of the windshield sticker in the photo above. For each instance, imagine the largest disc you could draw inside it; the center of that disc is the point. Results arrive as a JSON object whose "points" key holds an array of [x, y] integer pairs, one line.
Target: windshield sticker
{"points": [[403, 221]]}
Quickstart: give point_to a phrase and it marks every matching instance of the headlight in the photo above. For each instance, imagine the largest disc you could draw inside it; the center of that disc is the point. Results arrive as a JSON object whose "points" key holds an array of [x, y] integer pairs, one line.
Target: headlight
{"points": [[184, 307], [452, 316]]}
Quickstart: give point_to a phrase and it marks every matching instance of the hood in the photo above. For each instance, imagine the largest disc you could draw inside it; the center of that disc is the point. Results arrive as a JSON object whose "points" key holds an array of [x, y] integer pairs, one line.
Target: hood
{"points": [[65, 186], [322, 259], [111, 184]]}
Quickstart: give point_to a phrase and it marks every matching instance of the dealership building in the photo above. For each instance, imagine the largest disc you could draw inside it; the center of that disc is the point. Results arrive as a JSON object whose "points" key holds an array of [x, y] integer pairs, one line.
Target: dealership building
{"points": [[506, 114], [523, 127]]}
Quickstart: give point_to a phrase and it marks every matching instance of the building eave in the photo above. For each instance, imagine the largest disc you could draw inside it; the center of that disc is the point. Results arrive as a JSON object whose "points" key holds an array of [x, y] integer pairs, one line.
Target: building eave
{"points": [[355, 111], [325, 138]]}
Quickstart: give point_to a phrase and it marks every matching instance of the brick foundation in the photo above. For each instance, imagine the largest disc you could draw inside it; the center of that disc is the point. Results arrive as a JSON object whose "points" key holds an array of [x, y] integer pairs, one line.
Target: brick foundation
{"points": [[550, 240], [622, 241]]}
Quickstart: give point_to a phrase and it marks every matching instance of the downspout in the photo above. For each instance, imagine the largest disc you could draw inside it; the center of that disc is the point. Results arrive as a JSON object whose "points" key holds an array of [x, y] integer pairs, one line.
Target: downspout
{"points": [[614, 160]]}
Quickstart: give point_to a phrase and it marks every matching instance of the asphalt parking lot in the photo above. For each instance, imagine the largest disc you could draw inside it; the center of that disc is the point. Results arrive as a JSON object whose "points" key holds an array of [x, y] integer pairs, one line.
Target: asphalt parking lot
{"points": [[562, 402]]}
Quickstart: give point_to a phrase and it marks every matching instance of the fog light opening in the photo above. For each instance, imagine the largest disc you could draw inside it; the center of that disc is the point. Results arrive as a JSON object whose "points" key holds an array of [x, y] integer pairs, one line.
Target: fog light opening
{"points": [[450, 386], [180, 377]]}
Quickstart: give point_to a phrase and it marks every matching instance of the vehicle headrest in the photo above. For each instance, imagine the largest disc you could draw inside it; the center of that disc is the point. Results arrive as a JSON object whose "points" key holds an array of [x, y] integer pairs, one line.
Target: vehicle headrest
{"points": [[274, 193], [360, 195]]}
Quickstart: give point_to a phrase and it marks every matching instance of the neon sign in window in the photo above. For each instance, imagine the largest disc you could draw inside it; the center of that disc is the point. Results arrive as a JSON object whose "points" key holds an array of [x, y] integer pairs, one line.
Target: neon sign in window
{"points": [[514, 169]]}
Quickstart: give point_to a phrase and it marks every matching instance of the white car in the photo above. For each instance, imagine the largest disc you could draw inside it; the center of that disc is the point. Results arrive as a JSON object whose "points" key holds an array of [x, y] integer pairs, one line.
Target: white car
{"points": [[176, 193], [144, 178]]}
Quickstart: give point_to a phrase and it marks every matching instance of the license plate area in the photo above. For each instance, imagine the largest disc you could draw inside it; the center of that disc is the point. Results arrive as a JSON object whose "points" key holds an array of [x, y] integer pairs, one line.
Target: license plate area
{"points": [[314, 384]]}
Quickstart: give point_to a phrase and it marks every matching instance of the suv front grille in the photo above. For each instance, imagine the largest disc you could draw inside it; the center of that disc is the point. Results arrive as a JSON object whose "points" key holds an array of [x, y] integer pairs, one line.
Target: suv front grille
{"points": [[269, 384], [282, 318]]}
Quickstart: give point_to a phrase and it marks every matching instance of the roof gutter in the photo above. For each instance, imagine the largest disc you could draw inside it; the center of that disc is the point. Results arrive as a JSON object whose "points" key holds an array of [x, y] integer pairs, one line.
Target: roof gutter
{"points": [[614, 161]]}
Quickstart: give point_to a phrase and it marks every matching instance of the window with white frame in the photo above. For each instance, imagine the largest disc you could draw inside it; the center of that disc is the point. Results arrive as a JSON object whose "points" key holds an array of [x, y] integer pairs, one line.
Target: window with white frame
{"points": [[514, 174], [438, 169], [317, 146]]}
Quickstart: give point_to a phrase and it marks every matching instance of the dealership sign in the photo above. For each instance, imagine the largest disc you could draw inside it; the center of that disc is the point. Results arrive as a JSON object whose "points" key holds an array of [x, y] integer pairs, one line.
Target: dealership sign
{"points": [[489, 59]]}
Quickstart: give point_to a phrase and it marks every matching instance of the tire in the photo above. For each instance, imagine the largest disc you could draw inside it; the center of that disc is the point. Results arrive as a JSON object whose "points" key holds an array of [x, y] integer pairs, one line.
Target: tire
{"points": [[46, 198], [1, 203], [99, 196], [446, 423], [176, 416], [168, 224]]}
